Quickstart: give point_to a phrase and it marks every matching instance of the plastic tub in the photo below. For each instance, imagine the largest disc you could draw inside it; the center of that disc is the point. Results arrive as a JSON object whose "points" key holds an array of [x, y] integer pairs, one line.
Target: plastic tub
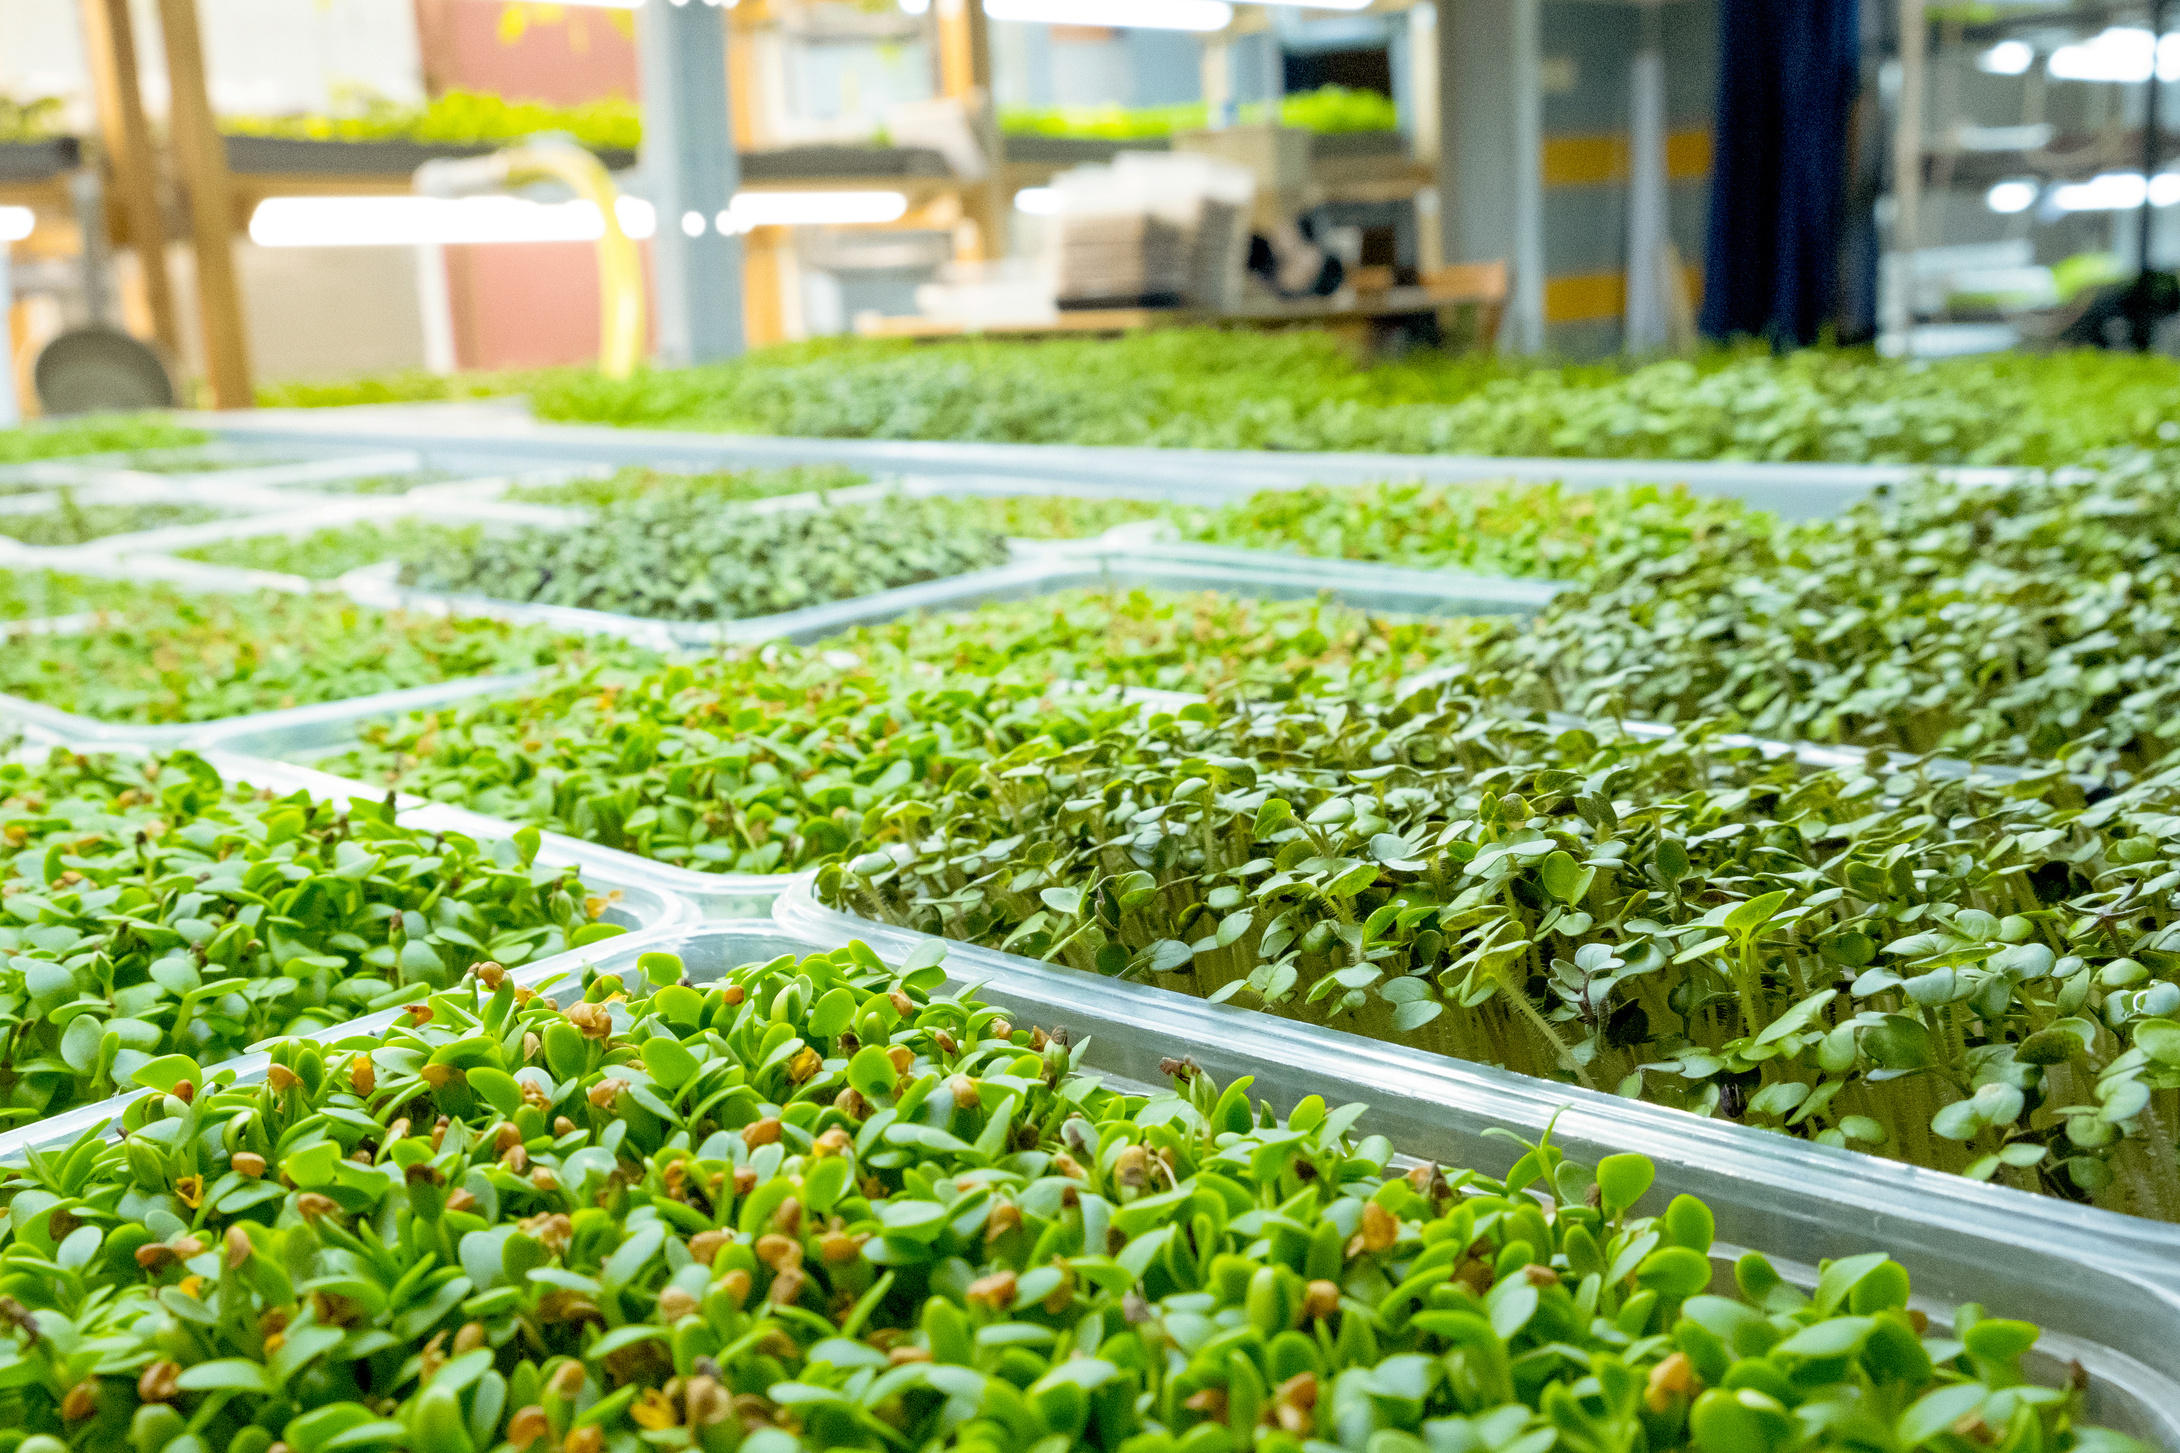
{"points": [[2107, 1285], [1037, 570], [639, 904], [502, 429]]}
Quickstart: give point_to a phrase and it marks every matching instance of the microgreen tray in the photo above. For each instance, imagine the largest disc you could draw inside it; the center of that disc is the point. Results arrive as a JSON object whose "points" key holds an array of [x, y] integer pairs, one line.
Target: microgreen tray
{"points": [[2107, 1284], [630, 900], [314, 732], [1036, 570]]}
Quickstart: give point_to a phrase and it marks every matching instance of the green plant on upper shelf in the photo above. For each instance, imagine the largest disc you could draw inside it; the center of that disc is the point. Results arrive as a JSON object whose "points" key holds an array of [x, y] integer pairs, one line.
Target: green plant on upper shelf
{"points": [[1329, 109], [148, 909], [1972, 975], [458, 118], [38, 119], [177, 658], [684, 556], [1205, 388], [822, 1204]]}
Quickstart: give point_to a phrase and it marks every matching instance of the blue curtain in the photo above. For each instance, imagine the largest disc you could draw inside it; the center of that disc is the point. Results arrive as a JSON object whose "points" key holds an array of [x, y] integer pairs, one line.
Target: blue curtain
{"points": [[1787, 79]]}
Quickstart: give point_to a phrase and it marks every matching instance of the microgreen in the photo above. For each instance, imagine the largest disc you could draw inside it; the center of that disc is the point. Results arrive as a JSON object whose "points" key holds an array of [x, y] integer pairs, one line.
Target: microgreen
{"points": [[72, 523], [183, 658], [822, 1205], [1971, 975], [1213, 389], [147, 909], [680, 556], [93, 434]]}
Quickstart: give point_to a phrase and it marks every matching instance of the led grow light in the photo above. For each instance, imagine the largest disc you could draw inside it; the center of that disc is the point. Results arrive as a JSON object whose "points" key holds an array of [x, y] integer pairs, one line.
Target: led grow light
{"points": [[811, 209], [2117, 53], [2116, 192], [1200, 15], [414, 221]]}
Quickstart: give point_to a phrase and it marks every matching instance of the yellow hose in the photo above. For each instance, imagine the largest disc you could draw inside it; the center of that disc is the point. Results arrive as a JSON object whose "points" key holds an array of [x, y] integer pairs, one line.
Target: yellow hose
{"points": [[620, 267]]}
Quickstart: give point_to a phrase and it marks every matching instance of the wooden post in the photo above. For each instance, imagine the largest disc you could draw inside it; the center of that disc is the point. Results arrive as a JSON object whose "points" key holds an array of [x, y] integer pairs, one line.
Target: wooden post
{"points": [[965, 75], [110, 44], [203, 163]]}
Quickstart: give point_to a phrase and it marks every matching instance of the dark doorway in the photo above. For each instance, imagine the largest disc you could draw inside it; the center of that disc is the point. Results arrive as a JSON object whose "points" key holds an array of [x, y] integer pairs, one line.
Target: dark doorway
{"points": [[1358, 70]]}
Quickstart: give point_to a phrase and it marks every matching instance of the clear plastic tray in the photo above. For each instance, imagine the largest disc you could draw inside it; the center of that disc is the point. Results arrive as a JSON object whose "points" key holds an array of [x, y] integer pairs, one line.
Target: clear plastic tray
{"points": [[1037, 570], [638, 904], [502, 430], [732, 942], [312, 733], [91, 734], [2107, 1285]]}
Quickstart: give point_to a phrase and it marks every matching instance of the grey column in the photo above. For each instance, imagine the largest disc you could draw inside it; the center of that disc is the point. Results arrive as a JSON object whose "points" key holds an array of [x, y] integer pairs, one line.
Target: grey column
{"points": [[690, 165]]}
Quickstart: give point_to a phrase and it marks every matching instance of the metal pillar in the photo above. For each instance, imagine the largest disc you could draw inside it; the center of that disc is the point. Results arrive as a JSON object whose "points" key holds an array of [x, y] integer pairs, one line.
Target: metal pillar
{"points": [[693, 172], [1525, 316], [2145, 316], [1648, 327], [1907, 174]]}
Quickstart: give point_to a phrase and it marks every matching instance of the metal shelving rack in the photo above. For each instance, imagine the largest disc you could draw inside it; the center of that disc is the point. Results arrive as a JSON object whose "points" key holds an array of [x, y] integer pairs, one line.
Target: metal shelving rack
{"points": [[2020, 166]]}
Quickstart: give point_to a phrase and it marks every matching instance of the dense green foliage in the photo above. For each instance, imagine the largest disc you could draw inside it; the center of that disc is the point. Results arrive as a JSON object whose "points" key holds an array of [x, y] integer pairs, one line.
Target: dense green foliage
{"points": [[73, 523], [93, 434], [723, 485], [753, 763], [460, 118], [1198, 642], [148, 909], [768, 761], [332, 552], [1973, 976], [1529, 530], [2032, 619], [1327, 110], [32, 594], [681, 555], [821, 1205], [1211, 389], [178, 658], [1049, 516], [33, 120]]}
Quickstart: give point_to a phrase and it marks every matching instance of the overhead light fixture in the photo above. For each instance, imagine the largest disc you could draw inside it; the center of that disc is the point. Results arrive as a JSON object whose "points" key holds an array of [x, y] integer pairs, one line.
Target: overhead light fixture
{"points": [[2011, 197], [2116, 192], [414, 221], [2007, 58], [751, 210], [1038, 201], [16, 223], [1198, 15], [2117, 53]]}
